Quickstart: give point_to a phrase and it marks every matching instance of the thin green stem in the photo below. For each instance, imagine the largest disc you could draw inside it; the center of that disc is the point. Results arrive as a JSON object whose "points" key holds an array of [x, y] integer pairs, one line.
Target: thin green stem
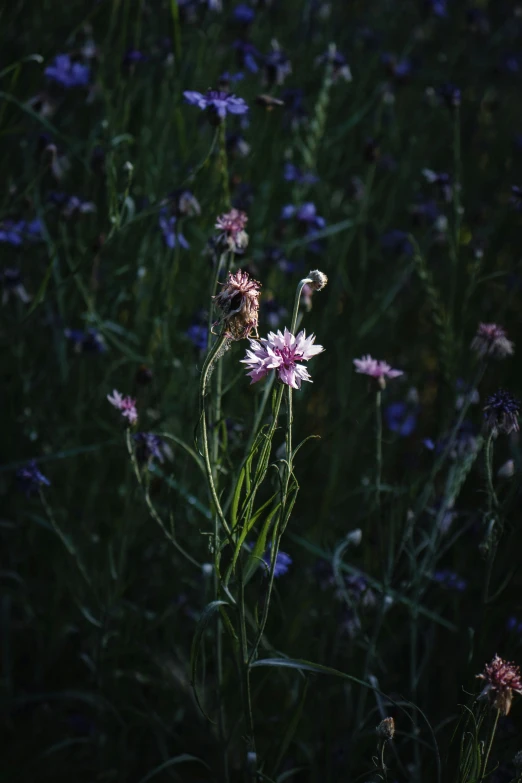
{"points": [[223, 165], [492, 495], [378, 447], [490, 745]]}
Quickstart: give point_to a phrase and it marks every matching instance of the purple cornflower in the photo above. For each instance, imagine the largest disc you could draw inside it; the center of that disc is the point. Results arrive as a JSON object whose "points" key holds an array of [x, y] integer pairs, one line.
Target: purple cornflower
{"points": [[150, 447], [502, 678], [450, 580], [171, 233], [126, 405], [217, 103], [401, 418], [501, 412], [294, 174], [491, 340], [281, 352], [67, 73], [282, 563], [377, 369], [232, 234], [14, 232], [276, 65], [247, 55], [30, 478], [90, 341]]}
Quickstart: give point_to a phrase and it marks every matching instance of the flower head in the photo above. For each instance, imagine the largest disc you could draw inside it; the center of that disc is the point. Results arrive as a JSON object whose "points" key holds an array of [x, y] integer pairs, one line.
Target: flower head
{"points": [[30, 478], [318, 280], [377, 369], [127, 406], [150, 447], [238, 301], [233, 236], [386, 729], [67, 73], [281, 352], [171, 233], [501, 412], [90, 341], [491, 340], [282, 563], [501, 679], [14, 232], [217, 102], [338, 64], [277, 66]]}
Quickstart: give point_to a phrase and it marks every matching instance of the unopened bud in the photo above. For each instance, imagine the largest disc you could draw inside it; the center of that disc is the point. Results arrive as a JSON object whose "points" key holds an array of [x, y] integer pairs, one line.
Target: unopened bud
{"points": [[386, 729], [318, 280]]}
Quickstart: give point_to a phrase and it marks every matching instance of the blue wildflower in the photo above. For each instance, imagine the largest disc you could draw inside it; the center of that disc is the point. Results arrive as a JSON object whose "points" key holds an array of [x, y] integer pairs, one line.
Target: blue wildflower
{"points": [[11, 279], [277, 66], [282, 563], [150, 447], [67, 73], [514, 625], [30, 478], [217, 103], [340, 68], [399, 70], [243, 14], [305, 213], [171, 233], [501, 412], [294, 174], [198, 335], [401, 418], [438, 8], [247, 55], [14, 232], [90, 341], [450, 580]]}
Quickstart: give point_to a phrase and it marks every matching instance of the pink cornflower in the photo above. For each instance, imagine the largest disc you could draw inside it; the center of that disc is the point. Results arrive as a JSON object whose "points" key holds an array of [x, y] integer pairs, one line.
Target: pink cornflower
{"points": [[239, 302], [377, 369], [491, 340], [232, 227], [127, 406], [281, 352], [501, 678]]}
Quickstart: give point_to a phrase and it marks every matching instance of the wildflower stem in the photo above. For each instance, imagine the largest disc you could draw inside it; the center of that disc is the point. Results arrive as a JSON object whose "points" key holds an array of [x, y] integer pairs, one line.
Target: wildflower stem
{"points": [[297, 301], [492, 495], [490, 745], [378, 447], [223, 164]]}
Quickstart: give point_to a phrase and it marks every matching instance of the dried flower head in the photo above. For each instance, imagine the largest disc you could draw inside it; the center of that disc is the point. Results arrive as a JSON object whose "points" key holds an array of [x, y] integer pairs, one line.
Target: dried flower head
{"points": [[233, 236], [386, 729], [501, 679], [126, 405], [377, 369], [239, 303], [491, 340], [281, 352], [318, 280], [501, 412]]}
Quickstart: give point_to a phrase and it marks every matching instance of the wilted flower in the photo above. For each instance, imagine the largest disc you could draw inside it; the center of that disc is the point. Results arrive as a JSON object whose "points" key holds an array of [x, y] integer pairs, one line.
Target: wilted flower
{"points": [[317, 280], [281, 352], [491, 340], [90, 341], [126, 405], [217, 102], [67, 73], [239, 303], [386, 729], [501, 678], [282, 563], [233, 236], [150, 447], [30, 478], [377, 369], [501, 412]]}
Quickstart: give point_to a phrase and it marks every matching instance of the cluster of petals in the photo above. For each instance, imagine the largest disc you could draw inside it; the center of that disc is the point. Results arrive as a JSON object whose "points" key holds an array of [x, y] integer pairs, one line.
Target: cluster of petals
{"points": [[491, 340], [377, 369], [216, 101], [126, 405], [232, 230], [282, 352], [238, 301], [502, 679]]}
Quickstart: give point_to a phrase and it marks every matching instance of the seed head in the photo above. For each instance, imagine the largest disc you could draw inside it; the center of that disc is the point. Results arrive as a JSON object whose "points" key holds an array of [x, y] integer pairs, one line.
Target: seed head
{"points": [[501, 679], [386, 729], [318, 280], [491, 340], [239, 303], [501, 412]]}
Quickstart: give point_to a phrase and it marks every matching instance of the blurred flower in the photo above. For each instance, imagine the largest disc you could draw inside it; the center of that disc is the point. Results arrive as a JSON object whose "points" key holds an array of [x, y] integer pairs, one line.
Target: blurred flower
{"points": [[243, 14], [424, 212], [134, 56], [465, 394], [30, 478], [438, 8], [306, 214], [294, 174], [502, 678], [281, 352], [268, 102], [377, 369], [507, 470], [233, 236], [150, 447], [282, 563], [273, 312], [501, 412], [126, 405], [398, 242], [516, 198], [90, 341], [399, 70], [450, 94], [401, 418], [217, 103], [239, 304], [276, 66], [11, 280], [198, 335], [491, 340], [227, 78], [340, 68], [295, 111], [247, 55], [15, 232], [184, 203], [237, 145], [514, 625], [71, 205], [450, 580], [171, 234], [442, 180], [67, 73]]}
